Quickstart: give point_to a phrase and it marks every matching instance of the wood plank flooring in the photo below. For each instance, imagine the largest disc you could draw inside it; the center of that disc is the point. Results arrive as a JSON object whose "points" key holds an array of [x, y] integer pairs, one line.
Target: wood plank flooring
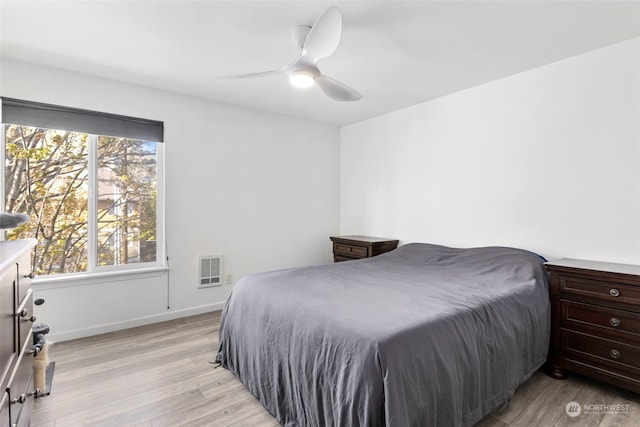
{"points": [[160, 375]]}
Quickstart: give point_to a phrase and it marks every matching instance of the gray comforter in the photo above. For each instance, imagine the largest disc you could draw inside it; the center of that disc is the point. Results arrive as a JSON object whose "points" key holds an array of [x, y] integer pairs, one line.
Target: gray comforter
{"points": [[424, 335]]}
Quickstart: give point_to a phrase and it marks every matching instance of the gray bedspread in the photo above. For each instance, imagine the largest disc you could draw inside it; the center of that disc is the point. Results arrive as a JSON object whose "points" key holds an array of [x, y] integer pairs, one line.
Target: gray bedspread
{"points": [[424, 335]]}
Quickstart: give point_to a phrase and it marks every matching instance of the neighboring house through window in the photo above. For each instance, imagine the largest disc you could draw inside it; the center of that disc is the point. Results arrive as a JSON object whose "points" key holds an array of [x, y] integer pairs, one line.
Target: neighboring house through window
{"points": [[91, 184]]}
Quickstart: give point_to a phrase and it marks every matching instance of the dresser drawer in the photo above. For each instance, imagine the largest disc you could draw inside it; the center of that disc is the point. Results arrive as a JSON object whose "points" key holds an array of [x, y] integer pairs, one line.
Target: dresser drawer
{"points": [[602, 321], [8, 335], [24, 314], [5, 418], [604, 353], [20, 387], [602, 290], [352, 251], [24, 276]]}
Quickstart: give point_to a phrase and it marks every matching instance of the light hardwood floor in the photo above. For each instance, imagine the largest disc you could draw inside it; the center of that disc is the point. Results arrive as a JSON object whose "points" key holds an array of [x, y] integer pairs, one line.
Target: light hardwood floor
{"points": [[160, 375]]}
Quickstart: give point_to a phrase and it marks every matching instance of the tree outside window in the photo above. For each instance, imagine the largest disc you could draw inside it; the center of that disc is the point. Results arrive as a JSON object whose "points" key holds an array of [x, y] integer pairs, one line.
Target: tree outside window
{"points": [[50, 175]]}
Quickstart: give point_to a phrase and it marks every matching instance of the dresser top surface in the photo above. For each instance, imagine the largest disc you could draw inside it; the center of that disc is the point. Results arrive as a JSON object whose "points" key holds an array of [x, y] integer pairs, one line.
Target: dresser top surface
{"points": [[11, 249], [608, 267], [367, 239]]}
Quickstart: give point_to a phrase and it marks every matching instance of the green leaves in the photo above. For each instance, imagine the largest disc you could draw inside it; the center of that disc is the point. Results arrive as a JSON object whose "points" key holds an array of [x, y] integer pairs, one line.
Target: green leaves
{"points": [[47, 176]]}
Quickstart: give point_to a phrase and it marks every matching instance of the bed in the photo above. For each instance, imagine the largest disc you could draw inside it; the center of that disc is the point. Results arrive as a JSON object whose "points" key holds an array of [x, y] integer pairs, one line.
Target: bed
{"points": [[424, 335]]}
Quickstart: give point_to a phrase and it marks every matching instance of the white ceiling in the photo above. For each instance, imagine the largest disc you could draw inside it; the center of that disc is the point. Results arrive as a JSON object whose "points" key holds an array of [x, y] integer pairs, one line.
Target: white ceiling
{"points": [[396, 53]]}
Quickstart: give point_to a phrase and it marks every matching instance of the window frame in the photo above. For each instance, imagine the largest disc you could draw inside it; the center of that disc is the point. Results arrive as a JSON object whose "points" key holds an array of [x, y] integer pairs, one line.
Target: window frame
{"points": [[93, 269]]}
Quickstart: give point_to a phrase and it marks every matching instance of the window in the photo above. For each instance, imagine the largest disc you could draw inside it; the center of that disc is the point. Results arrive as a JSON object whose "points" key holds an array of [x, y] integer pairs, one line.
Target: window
{"points": [[94, 199]]}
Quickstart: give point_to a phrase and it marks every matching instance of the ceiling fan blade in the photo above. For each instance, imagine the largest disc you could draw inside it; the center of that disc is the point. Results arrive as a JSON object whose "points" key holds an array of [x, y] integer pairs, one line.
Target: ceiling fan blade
{"points": [[300, 33], [336, 90], [324, 36], [250, 75]]}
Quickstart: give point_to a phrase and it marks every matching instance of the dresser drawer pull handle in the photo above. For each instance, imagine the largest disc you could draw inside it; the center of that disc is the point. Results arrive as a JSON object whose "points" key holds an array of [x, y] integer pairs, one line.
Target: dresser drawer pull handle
{"points": [[615, 354], [614, 292], [614, 322], [20, 399], [24, 313]]}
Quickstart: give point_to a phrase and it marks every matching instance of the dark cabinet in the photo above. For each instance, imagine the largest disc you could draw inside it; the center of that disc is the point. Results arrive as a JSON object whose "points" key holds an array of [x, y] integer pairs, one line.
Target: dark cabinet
{"points": [[347, 248], [16, 344], [595, 323]]}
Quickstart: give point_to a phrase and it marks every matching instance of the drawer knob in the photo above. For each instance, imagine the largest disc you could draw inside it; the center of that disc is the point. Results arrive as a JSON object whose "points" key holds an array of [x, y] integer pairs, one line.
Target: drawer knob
{"points": [[614, 322], [20, 399], [28, 276], [614, 292], [615, 354]]}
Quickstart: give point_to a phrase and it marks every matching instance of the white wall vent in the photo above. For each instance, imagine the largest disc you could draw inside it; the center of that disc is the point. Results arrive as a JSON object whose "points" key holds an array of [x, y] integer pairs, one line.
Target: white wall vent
{"points": [[209, 270]]}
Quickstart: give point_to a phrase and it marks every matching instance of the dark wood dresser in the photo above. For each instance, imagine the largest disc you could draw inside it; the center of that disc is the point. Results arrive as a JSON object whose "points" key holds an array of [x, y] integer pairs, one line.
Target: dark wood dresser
{"points": [[16, 344], [595, 321], [346, 248]]}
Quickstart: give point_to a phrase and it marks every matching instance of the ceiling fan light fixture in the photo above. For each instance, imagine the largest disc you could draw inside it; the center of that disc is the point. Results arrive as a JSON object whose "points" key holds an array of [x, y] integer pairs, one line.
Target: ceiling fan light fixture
{"points": [[301, 79], [316, 42]]}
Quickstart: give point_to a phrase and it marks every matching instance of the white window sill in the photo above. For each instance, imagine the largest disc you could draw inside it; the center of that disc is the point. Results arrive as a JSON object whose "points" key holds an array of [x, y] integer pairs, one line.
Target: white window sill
{"points": [[80, 279]]}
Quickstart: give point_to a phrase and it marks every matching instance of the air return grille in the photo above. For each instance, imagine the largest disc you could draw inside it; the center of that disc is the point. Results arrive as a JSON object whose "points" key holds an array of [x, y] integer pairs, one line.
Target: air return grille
{"points": [[209, 270]]}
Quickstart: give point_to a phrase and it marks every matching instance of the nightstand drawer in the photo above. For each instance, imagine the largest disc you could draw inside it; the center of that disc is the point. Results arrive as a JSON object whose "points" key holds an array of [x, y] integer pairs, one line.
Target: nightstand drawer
{"points": [[607, 354], [604, 321], [351, 250], [605, 291]]}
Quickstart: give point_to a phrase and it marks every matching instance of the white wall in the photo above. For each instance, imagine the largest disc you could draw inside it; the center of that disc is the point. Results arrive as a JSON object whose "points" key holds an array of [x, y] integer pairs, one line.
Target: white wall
{"points": [[547, 160], [259, 188]]}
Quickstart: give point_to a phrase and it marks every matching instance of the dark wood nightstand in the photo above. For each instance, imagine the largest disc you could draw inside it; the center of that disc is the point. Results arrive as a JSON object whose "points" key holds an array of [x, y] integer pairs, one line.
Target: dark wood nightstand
{"points": [[595, 321], [346, 248]]}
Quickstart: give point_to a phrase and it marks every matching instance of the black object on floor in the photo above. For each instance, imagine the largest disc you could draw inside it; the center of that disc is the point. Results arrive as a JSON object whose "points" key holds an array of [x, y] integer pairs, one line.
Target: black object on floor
{"points": [[48, 380]]}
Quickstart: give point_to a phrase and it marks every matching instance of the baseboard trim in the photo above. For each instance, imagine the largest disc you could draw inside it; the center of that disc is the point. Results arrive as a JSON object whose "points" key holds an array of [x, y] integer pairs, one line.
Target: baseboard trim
{"points": [[54, 337]]}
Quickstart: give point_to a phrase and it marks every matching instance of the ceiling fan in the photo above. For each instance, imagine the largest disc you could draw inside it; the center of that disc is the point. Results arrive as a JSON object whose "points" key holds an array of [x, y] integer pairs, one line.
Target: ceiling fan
{"points": [[316, 42]]}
